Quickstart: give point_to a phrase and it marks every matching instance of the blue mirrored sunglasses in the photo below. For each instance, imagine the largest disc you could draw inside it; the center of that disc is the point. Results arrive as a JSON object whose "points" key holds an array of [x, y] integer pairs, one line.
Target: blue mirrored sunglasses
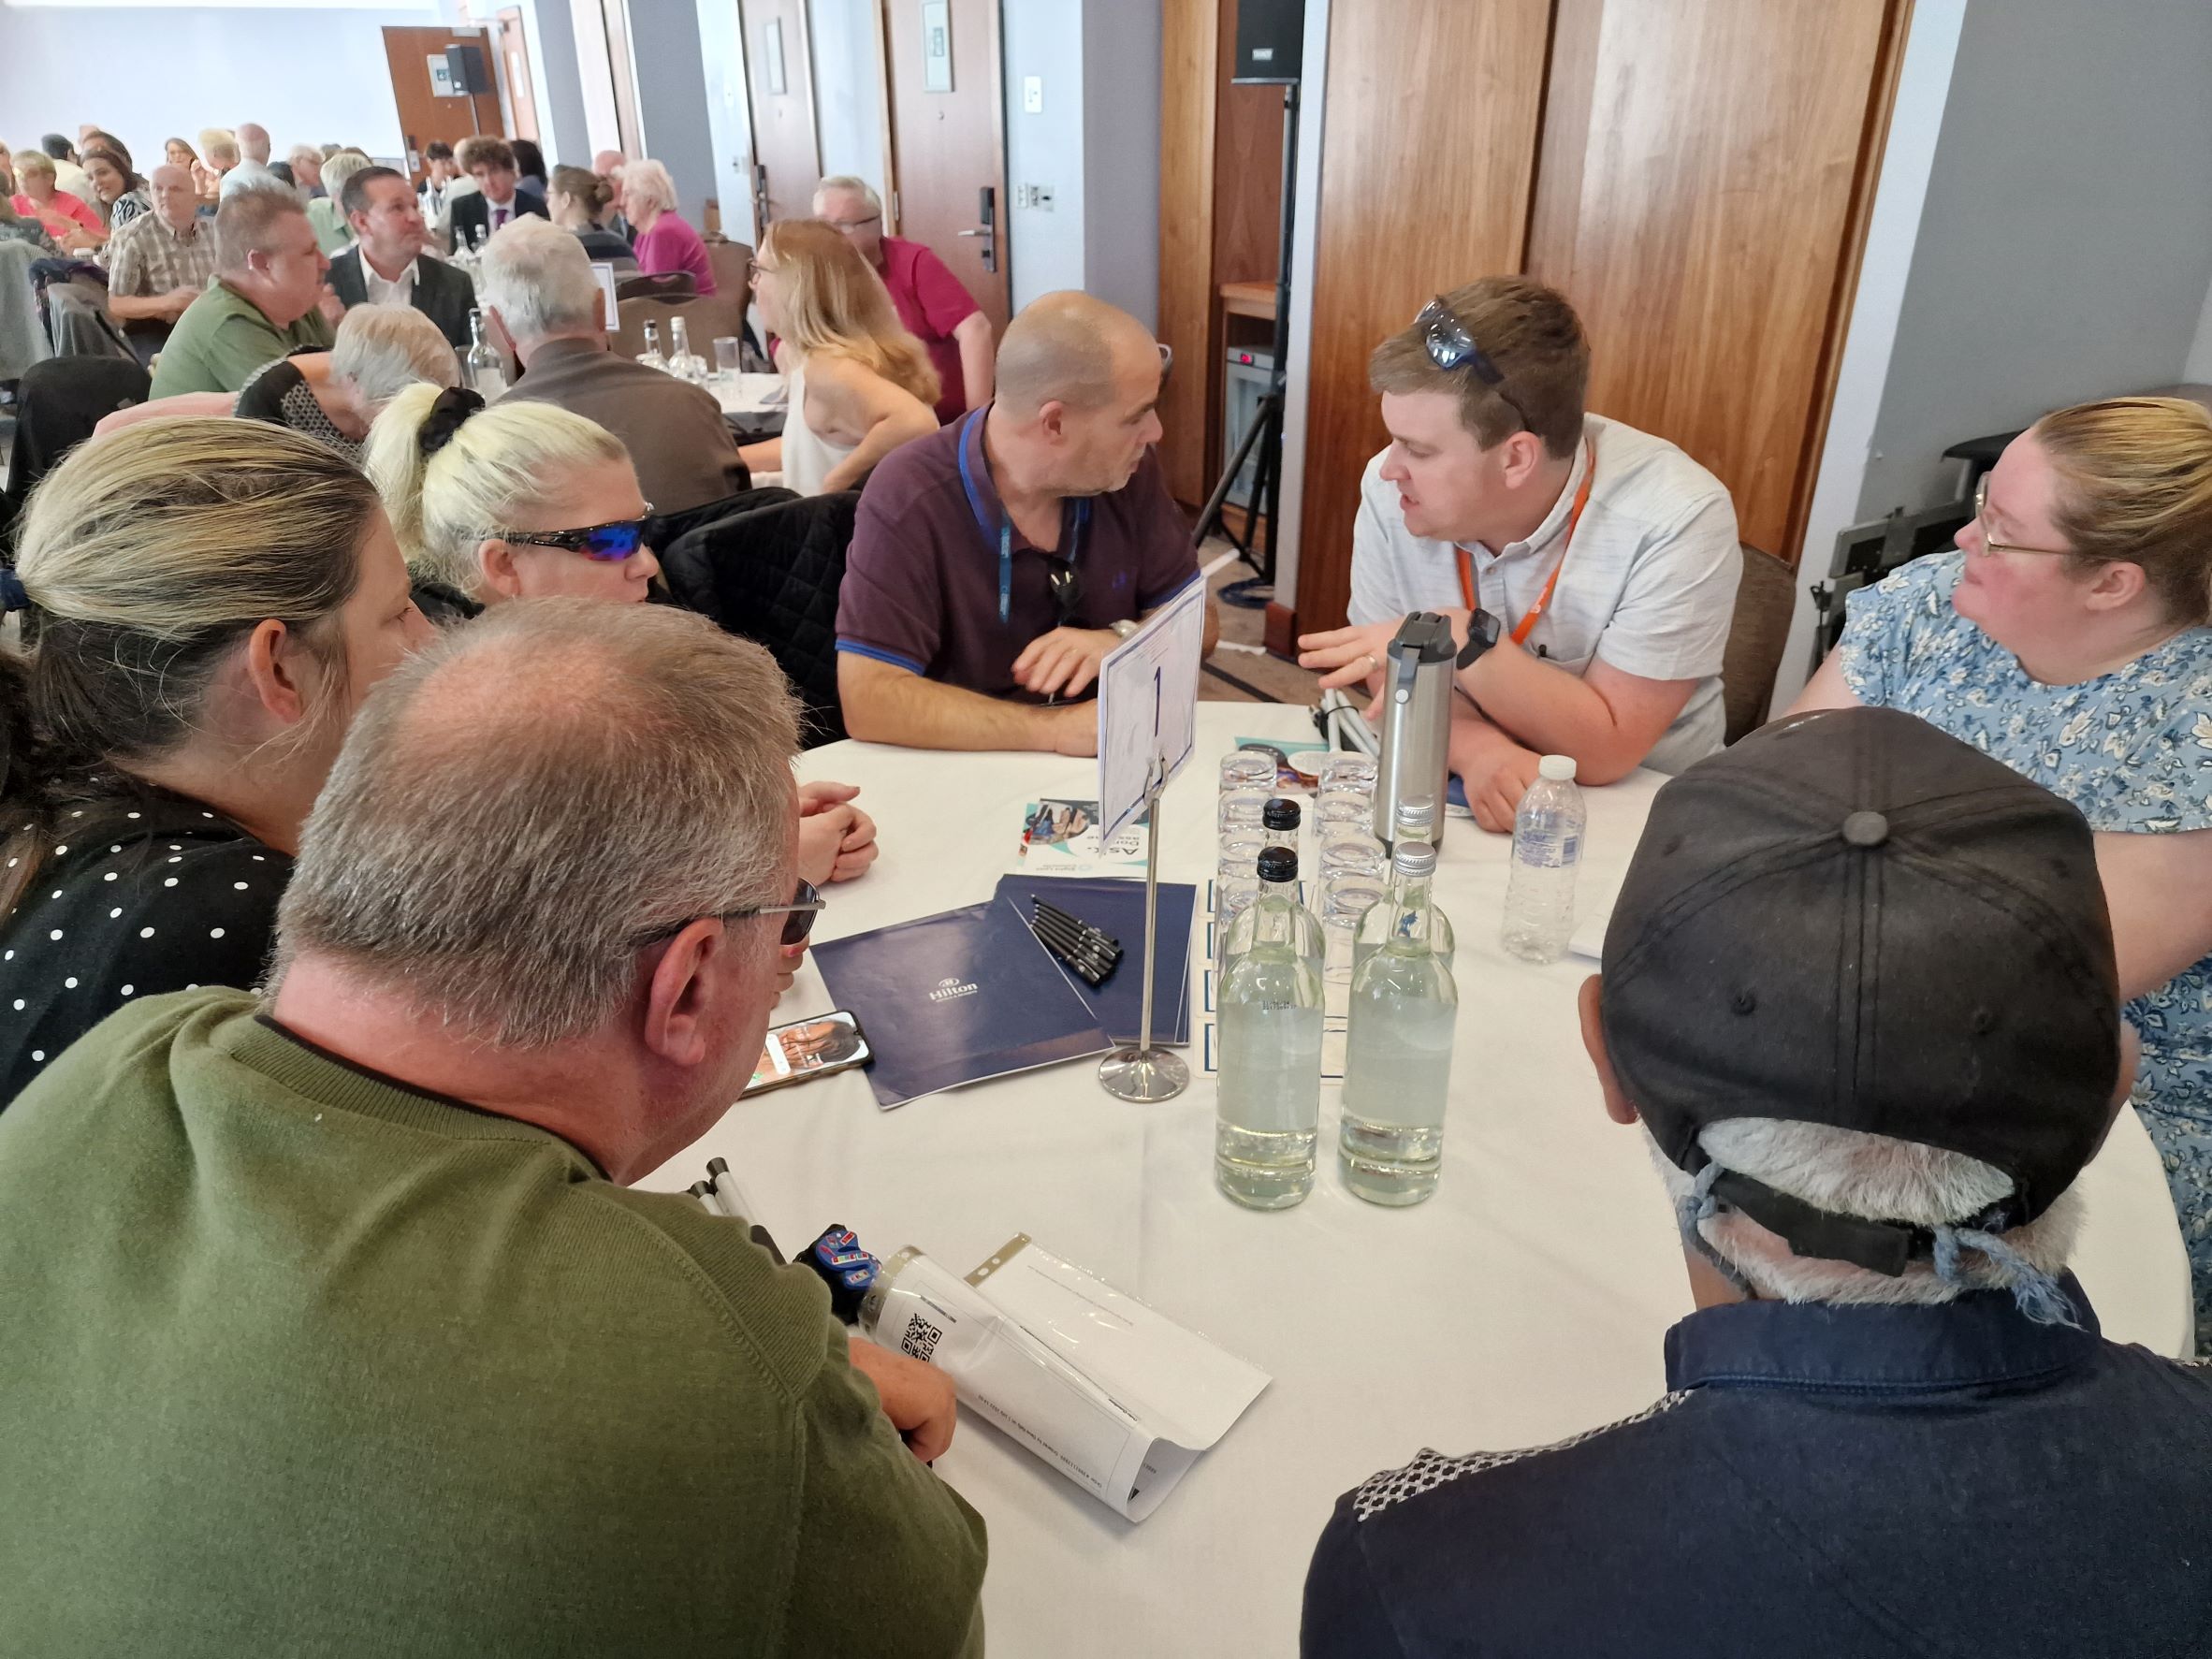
{"points": [[608, 542]]}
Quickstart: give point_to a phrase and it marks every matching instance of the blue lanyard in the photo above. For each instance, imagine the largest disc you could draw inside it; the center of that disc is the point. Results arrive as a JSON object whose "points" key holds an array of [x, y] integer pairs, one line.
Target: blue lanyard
{"points": [[982, 522]]}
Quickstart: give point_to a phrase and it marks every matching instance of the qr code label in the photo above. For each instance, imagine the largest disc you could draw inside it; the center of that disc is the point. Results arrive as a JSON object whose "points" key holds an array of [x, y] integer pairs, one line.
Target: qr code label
{"points": [[920, 1337]]}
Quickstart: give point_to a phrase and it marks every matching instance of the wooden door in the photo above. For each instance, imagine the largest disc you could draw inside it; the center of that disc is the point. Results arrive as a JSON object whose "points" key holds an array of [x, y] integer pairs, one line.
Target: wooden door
{"points": [[424, 113], [1705, 172], [779, 77], [514, 62], [949, 146], [1425, 179]]}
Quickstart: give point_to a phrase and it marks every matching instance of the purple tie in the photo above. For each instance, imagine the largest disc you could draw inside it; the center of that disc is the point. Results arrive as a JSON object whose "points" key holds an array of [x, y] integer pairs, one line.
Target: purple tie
{"points": [[499, 218]]}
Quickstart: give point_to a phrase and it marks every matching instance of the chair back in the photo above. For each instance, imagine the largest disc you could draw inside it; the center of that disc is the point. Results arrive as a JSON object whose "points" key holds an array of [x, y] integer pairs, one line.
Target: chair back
{"points": [[58, 403], [771, 576], [664, 284], [22, 331], [704, 319], [731, 263], [1765, 594]]}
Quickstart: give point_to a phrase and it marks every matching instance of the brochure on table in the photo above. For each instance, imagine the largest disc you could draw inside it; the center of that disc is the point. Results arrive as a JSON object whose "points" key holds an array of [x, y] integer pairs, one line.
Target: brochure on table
{"points": [[956, 998], [1148, 707], [1061, 838], [1115, 1395]]}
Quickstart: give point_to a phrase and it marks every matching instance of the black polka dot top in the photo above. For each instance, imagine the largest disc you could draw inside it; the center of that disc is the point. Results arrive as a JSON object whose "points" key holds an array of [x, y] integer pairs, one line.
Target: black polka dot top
{"points": [[139, 897]]}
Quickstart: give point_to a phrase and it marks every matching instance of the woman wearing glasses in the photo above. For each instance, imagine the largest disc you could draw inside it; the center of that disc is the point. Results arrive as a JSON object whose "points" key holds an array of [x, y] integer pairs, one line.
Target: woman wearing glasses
{"points": [[525, 500], [2068, 636], [860, 384]]}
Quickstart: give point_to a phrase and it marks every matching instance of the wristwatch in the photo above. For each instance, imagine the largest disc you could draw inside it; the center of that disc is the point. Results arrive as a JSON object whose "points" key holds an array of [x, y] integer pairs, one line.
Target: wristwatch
{"points": [[1482, 634], [1122, 628]]}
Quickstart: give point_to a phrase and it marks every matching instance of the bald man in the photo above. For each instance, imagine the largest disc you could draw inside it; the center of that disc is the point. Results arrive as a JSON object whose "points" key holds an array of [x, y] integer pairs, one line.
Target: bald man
{"points": [[159, 263], [996, 562]]}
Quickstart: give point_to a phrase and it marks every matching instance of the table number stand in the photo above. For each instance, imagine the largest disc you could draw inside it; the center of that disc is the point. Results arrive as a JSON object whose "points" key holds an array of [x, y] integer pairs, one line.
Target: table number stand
{"points": [[1145, 1072]]}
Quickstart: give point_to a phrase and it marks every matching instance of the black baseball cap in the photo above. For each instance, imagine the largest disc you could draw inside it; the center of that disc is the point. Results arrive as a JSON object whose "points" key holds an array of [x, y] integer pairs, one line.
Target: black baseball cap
{"points": [[1852, 918]]}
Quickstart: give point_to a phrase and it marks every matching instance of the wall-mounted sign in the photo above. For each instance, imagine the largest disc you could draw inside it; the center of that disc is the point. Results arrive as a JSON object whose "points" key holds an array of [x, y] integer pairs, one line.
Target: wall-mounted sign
{"points": [[937, 46], [442, 79]]}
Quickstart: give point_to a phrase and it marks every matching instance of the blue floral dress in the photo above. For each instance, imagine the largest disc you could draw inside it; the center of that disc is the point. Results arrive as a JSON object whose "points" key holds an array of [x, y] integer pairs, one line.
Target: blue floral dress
{"points": [[2132, 750]]}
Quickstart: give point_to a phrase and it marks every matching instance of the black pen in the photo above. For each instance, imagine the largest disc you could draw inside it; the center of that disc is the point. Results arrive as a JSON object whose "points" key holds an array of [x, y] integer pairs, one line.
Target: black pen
{"points": [[1075, 935], [1093, 967], [1077, 923]]}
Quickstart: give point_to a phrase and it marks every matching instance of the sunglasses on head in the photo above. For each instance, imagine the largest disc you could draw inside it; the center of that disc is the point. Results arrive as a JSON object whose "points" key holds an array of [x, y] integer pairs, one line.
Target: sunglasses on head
{"points": [[799, 917], [1451, 346], [608, 542], [1064, 583]]}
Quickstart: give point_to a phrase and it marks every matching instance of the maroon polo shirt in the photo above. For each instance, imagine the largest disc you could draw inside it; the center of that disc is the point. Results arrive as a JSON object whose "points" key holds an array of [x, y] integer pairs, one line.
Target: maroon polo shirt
{"points": [[931, 303], [921, 578]]}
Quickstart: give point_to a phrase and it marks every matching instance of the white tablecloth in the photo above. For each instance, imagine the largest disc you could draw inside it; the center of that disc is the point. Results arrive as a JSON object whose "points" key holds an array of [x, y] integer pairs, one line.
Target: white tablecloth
{"points": [[1525, 1302], [747, 395]]}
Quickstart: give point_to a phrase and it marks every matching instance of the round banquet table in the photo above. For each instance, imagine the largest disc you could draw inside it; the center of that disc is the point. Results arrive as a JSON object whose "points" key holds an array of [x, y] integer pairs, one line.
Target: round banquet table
{"points": [[1525, 1302]]}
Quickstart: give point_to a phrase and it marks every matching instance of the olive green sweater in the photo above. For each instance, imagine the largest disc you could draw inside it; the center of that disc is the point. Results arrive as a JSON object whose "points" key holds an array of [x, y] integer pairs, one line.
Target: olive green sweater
{"points": [[295, 1361]]}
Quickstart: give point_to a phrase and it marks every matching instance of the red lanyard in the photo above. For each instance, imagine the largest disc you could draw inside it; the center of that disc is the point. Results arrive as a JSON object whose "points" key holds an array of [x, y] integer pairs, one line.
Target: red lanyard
{"points": [[1528, 622]]}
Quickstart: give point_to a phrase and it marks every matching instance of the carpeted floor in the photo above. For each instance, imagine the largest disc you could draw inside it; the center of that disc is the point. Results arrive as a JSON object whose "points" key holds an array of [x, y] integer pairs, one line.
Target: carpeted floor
{"points": [[1240, 671]]}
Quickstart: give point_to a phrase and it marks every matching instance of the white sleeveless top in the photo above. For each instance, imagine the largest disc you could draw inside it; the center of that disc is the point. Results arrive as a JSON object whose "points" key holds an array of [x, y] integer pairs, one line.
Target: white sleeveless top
{"points": [[808, 456]]}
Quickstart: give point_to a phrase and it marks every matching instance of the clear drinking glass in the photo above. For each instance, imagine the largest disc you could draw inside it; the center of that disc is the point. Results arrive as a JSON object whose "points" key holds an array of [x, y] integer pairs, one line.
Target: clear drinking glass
{"points": [[1345, 899], [1351, 773], [1353, 853], [1241, 809], [727, 348], [1344, 811], [1248, 769]]}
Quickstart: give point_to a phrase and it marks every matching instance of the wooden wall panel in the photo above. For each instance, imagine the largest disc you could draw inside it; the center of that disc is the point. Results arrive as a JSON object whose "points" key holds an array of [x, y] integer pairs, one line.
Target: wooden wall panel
{"points": [[1248, 171], [1699, 198], [1426, 166], [1189, 74]]}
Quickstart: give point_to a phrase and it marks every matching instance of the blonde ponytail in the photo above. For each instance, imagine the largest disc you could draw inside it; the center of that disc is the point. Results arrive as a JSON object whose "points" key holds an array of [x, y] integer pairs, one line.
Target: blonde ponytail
{"points": [[498, 461]]}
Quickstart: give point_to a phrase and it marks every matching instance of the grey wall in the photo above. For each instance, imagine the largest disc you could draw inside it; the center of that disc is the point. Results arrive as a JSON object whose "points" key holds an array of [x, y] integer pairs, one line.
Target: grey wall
{"points": [[1095, 144], [552, 38], [848, 92], [1121, 76], [146, 74], [721, 62], [672, 102], [2065, 248]]}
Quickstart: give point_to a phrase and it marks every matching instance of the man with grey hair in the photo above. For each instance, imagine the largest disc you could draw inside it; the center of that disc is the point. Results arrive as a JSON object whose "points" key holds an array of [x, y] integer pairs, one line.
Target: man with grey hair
{"points": [[268, 297], [351, 1280], [933, 303], [252, 173], [995, 563], [546, 312], [160, 262], [1859, 989]]}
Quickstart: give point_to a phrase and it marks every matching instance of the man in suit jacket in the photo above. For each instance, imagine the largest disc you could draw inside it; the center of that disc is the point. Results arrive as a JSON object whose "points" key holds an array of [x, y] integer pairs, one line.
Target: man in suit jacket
{"points": [[544, 309], [499, 200], [386, 264]]}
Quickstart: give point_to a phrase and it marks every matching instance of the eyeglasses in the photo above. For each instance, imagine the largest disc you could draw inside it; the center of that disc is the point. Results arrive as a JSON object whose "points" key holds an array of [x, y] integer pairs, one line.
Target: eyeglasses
{"points": [[850, 225], [1451, 346], [610, 543], [799, 917], [1990, 542]]}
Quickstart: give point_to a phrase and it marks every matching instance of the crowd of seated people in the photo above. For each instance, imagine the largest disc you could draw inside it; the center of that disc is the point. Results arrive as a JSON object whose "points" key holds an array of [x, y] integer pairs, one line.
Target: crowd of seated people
{"points": [[395, 872]]}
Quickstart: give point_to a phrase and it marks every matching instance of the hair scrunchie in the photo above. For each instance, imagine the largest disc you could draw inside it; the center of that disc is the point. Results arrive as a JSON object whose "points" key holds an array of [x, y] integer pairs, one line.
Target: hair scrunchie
{"points": [[453, 406], [12, 595]]}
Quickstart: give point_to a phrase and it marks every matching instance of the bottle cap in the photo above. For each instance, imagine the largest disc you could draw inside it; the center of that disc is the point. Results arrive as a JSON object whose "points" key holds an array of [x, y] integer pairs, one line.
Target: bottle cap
{"points": [[1414, 858], [1559, 768], [1278, 864], [1418, 813], [1280, 814]]}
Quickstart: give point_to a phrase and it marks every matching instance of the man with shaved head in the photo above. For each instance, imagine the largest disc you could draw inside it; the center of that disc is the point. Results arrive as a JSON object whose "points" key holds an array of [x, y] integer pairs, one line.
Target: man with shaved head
{"points": [[994, 562], [160, 262]]}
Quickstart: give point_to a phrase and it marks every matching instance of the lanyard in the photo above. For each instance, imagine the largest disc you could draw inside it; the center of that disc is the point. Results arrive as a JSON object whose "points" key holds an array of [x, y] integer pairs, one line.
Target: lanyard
{"points": [[1528, 622], [982, 522]]}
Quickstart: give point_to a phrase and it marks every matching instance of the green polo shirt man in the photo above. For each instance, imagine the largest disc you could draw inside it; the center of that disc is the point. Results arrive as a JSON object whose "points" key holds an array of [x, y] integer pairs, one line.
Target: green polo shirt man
{"points": [[329, 1321], [265, 303]]}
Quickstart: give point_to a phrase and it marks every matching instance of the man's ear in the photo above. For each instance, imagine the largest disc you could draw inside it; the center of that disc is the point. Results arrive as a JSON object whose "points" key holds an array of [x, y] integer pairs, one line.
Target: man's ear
{"points": [[1589, 1003], [1052, 420], [598, 311], [686, 983], [1520, 454], [276, 668]]}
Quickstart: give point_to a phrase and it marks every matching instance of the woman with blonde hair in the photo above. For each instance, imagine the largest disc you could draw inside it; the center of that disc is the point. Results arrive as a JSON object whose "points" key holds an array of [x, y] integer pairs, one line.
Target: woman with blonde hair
{"points": [[860, 384], [70, 221], [333, 234], [2068, 636], [518, 501], [205, 603]]}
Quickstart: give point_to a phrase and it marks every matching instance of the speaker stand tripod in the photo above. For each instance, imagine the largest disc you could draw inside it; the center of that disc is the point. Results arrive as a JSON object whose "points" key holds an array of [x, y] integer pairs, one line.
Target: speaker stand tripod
{"points": [[1264, 437]]}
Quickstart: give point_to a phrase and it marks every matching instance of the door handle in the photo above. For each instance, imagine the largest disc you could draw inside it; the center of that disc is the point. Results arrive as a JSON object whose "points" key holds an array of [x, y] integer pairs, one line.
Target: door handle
{"points": [[986, 203]]}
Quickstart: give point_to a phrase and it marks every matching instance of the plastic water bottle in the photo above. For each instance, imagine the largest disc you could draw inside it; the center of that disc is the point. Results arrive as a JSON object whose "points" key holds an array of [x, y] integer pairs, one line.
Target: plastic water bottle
{"points": [[1397, 1074], [1546, 847], [1267, 1098], [1416, 822]]}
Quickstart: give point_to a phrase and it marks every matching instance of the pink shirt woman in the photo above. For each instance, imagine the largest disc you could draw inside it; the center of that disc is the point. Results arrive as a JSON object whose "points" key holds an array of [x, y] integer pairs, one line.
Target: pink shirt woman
{"points": [[663, 243]]}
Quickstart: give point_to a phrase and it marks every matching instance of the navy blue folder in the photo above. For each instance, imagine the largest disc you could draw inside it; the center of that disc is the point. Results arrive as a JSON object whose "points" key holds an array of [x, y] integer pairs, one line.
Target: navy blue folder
{"points": [[1116, 907], [955, 998]]}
